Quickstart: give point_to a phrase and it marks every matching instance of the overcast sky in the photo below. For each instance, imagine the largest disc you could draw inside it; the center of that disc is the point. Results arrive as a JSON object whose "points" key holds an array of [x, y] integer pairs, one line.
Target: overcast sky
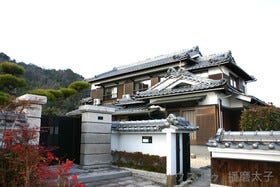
{"points": [[91, 37]]}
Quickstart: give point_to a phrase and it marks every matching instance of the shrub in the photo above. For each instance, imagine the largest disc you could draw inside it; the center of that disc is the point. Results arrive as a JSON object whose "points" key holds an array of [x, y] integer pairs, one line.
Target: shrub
{"points": [[262, 118], [4, 97], [139, 160], [23, 162], [43, 92], [79, 85], [67, 92], [9, 81], [11, 68]]}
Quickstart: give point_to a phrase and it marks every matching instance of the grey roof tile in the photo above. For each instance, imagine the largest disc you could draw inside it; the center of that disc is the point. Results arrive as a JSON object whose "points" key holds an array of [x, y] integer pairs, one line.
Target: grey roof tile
{"points": [[163, 88], [158, 61], [264, 140], [179, 123], [127, 101], [131, 110], [200, 62]]}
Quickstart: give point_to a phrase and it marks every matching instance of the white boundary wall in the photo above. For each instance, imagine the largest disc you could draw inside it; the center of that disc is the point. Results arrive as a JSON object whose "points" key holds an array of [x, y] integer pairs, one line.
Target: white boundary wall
{"points": [[132, 142]]}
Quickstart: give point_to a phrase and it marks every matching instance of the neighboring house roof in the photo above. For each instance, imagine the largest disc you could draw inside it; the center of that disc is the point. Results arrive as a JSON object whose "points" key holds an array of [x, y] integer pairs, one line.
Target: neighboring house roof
{"points": [[198, 62], [150, 63], [181, 82], [265, 140], [176, 123]]}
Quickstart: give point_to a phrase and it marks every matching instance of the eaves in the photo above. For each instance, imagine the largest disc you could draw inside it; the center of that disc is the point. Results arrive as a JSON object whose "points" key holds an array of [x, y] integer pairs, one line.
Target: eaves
{"points": [[179, 94]]}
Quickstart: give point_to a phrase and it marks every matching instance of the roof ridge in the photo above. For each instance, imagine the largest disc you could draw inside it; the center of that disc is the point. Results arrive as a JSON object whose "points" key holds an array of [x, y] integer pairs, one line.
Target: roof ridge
{"points": [[215, 55], [156, 58]]}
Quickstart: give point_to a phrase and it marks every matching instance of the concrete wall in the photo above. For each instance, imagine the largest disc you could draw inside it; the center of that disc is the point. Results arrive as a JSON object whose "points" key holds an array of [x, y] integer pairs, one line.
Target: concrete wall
{"points": [[132, 142]]}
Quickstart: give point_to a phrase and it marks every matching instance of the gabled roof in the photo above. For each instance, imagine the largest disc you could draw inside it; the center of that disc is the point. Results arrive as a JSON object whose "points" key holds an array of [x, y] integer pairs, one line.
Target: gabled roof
{"points": [[181, 82], [176, 123], [199, 62], [214, 60], [149, 63]]}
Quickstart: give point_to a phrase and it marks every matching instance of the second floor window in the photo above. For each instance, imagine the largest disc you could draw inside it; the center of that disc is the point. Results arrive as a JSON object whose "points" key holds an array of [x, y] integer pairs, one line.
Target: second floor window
{"points": [[110, 93], [142, 85], [233, 81]]}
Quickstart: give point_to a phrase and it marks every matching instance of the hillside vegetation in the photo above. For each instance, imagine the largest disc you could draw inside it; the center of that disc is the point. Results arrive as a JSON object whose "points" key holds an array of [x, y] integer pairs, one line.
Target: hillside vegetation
{"points": [[40, 78]]}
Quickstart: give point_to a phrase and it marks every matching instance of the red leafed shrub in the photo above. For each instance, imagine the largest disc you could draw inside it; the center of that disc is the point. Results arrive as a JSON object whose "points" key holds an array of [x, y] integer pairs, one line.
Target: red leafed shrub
{"points": [[25, 163], [22, 162]]}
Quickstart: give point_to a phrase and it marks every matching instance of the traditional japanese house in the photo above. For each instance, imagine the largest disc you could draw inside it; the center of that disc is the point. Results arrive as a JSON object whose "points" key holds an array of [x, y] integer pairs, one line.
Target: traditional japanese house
{"points": [[209, 91]]}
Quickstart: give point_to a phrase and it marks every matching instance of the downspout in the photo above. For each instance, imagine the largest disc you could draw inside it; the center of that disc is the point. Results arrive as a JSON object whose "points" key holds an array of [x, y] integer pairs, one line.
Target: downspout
{"points": [[221, 125]]}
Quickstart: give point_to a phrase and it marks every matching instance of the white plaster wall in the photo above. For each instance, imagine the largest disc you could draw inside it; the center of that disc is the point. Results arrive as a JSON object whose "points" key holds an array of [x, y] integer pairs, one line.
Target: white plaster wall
{"points": [[225, 99], [132, 142], [235, 103], [230, 101], [210, 99], [216, 70], [203, 74]]}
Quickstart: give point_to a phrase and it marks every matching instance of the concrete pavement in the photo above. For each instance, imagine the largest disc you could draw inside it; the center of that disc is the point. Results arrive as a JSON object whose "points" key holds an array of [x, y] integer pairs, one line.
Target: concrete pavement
{"points": [[117, 177]]}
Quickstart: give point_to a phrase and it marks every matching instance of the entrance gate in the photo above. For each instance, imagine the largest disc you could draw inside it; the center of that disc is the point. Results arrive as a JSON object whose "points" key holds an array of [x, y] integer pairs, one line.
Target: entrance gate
{"points": [[63, 134]]}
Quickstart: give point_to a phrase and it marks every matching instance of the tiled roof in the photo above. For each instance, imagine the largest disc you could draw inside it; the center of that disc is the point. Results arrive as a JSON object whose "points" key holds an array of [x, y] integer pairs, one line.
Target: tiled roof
{"points": [[178, 123], [168, 86], [158, 61], [212, 60], [127, 101], [217, 60], [264, 140], [132, 110], [200, 62]]}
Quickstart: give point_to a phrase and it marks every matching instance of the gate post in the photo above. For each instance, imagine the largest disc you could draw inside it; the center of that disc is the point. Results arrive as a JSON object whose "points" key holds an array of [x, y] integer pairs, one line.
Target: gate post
{"points": [[34, 110], [171, 166], [96, 124]]}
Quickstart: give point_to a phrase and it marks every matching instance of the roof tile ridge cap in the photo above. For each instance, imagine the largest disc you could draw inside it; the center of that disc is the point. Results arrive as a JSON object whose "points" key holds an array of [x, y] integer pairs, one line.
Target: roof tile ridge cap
{"points": [[159, 57], [226, 54]]}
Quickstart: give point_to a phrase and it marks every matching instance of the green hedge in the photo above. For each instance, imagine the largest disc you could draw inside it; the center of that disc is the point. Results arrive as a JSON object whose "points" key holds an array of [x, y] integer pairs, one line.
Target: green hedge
{"points": [[139, 160], [262, 118]]}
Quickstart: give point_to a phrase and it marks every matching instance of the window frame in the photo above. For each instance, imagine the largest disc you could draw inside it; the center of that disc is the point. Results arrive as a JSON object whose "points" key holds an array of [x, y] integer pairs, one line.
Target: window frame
{"points": [[141, 84], [110, 92]]}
